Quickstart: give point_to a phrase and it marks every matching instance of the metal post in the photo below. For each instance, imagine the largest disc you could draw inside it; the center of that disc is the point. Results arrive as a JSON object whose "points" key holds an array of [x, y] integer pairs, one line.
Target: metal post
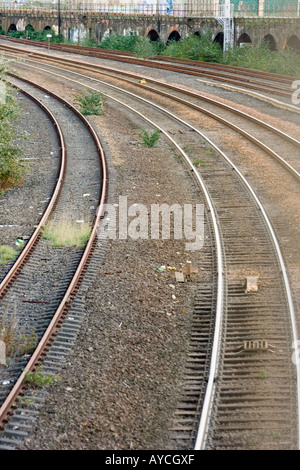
{"points": [[228, 25]]}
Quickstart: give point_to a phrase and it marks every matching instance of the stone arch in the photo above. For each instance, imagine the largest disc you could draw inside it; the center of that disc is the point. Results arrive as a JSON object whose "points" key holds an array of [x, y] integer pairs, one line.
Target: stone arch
{"points": [[47, 28], [270, 41], [12, 27], [197, 33], [294, 43], [153, 35], [174, 36], [29, 28], [219, 38], [244, 39]]}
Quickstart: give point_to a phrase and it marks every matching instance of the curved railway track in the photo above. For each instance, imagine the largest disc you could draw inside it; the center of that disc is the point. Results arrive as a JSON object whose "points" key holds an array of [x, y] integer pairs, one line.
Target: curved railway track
{"points": [[228, 322], [40, 304], [252, 79]]}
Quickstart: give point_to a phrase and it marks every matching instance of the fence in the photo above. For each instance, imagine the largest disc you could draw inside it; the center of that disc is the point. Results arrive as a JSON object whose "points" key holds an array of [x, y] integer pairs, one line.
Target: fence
{"points": [[188, 8]]}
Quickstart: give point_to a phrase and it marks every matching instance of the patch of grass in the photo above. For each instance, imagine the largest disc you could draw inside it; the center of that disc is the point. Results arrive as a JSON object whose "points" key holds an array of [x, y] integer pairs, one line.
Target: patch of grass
{"points": [[198, 162], [38, 379], [7, 253], [67, 233], [149, 139], [90, 103]]}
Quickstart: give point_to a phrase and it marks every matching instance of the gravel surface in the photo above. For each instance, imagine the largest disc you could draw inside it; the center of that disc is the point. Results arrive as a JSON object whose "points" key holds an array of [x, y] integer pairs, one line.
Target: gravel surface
{"points": [[120, 387], [21, 208], [125, 371]]}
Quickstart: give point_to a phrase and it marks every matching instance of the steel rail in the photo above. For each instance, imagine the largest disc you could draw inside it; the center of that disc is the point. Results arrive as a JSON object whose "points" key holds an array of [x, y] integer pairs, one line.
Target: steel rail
{"points": [[36, 357], [196, 63], [96, 68], [251, 138], [187, 70], [26, 250], [209, 396]]}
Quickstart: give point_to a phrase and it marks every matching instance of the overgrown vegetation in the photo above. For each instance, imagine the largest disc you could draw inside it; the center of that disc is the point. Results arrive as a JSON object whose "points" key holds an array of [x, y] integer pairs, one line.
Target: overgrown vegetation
{"points": [[192, 47], [195, 48], [90, 103], [260, 57], [12, 168], [67, 233], [202, 48], [37, 35], [16, 343]]}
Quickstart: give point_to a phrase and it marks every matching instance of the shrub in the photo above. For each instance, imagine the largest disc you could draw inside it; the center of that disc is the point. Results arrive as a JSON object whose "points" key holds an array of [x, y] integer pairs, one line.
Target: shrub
{"points": [[144, 48], [195, 48], [119, 42]]}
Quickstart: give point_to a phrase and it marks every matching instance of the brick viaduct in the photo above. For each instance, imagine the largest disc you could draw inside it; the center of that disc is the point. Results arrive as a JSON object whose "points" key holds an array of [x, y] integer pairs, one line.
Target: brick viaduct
{"points": [[279, 32]]}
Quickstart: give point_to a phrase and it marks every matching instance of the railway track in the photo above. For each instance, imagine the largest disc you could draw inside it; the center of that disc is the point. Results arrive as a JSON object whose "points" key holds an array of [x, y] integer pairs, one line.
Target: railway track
{"points": [[255, 80], [38, 292], [253, 363]]}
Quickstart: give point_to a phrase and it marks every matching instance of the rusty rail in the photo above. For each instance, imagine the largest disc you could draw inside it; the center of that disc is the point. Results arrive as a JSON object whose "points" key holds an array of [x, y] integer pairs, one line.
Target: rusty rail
{"points": [[37, 356]]}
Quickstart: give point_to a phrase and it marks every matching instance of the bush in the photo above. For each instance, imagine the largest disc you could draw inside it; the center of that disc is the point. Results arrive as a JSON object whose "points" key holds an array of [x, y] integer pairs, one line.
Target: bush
{"points": [[119, 42], [37, 35], [195, 48], [144, 48]]}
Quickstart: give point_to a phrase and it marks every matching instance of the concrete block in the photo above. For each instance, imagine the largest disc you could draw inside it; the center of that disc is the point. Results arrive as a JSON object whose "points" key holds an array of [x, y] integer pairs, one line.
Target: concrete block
{"points": [[251, 284]]}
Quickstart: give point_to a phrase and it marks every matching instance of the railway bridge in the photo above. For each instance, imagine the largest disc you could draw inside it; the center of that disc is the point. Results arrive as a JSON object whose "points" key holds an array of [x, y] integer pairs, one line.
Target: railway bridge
{"points": [[167, 21]]}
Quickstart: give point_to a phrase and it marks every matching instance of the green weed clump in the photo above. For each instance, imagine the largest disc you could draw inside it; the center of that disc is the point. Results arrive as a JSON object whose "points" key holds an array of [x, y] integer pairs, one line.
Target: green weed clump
{"points": [[7, 253], [149, 139], [90, 103], [38, 379]]}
